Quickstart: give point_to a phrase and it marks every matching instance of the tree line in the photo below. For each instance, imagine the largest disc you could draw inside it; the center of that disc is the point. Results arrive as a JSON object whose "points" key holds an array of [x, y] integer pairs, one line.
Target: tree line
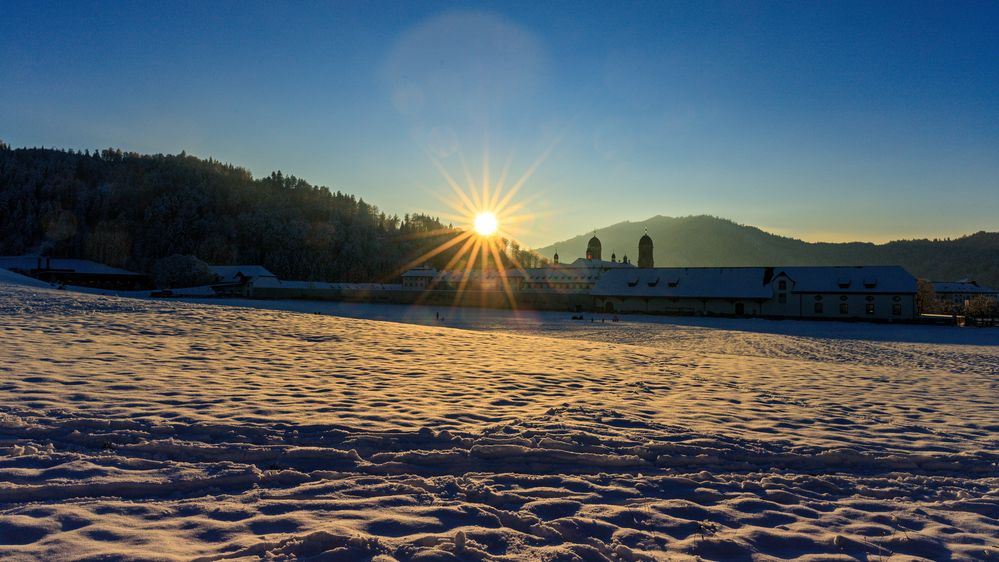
{"points": [[131, 210]]}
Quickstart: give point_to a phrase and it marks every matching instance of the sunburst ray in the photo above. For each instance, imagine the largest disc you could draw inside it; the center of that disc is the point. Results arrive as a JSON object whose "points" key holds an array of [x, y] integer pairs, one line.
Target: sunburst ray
{"points": [[491, 216]]}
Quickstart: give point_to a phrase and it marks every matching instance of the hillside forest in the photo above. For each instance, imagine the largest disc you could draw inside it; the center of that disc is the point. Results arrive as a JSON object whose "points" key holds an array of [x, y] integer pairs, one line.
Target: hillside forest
{"points": [[131, 210]]}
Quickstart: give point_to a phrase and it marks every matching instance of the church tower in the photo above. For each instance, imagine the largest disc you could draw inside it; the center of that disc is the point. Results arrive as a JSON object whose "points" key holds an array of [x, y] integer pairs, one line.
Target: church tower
{"points": [[593, 248], [556, 257], [645, 251]]}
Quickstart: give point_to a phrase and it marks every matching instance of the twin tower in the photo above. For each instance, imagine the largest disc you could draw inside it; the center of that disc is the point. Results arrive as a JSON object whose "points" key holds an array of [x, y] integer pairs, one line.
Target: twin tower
{"points": [[593, 251]]}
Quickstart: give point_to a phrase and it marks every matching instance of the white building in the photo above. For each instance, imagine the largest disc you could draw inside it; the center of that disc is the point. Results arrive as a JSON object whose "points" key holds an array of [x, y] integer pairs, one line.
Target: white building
{"points": [[874, 293], [882, 293]]}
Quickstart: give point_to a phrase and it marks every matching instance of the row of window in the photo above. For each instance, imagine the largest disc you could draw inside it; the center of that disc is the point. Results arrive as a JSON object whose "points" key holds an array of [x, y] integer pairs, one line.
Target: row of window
{"points": [[844, 308], [782, 299], [569, 277], [556, 285]]}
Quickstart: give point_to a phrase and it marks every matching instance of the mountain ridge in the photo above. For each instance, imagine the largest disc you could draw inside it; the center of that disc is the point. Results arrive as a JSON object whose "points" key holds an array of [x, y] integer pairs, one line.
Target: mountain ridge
{"points": [[704, 241]]}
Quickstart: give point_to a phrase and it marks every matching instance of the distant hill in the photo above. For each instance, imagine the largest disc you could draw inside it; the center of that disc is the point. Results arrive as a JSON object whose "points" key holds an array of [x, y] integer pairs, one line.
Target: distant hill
{"points": [[131, 210], [710, 241]]}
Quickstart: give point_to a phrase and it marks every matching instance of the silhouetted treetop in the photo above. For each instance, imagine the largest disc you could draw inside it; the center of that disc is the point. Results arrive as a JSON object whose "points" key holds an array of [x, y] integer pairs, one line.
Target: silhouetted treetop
{"points": [[130, 210]]}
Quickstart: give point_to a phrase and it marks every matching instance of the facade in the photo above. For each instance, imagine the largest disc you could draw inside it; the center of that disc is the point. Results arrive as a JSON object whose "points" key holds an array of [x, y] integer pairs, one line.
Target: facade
{"points": [[872, 293], [866, 292], [882, 293]]}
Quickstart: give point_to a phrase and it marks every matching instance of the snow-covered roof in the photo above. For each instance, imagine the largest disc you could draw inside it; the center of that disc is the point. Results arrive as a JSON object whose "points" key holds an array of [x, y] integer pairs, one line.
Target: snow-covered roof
{"points": [[79, 266], [557, 274], [233, 273], [849, 279], [963, 287], [685, 282], [750, 282], [339, 286], [421, 272], [597, 264]]}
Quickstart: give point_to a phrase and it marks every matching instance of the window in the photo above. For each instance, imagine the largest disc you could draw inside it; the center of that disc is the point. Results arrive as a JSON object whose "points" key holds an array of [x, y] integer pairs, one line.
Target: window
{"points": [[782, 298], [818, 308], [844, 308], [869, 308], [782, 285], [896, 309]]}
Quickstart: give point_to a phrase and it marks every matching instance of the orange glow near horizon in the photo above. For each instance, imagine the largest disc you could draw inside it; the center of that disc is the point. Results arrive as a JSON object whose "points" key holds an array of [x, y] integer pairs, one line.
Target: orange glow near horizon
{"points": [[493, 216]]}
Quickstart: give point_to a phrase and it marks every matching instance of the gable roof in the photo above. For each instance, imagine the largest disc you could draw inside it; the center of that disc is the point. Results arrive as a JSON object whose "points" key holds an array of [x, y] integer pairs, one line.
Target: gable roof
{"points": [[685, 282], [421, 272], [751, 282], [850, 279], [969, 287], [232, 273], [78, 266]]}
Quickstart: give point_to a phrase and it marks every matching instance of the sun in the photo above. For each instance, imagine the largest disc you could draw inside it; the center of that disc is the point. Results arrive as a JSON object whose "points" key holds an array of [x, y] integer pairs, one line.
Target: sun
{"points": [[482, 253], [486, 224]]}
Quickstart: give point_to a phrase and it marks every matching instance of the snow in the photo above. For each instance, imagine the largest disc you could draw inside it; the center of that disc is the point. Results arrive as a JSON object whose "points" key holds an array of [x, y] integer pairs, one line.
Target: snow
{"points": [[7, 276], [632, 328], [235, 273], [752, 282], [850, 279], [137, 429], [715, 282], [80, 266], [962, 287]]}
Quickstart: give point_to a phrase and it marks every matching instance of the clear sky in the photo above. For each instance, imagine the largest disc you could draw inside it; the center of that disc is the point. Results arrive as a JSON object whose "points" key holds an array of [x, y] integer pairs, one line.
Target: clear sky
{"points": [[826, 121]]}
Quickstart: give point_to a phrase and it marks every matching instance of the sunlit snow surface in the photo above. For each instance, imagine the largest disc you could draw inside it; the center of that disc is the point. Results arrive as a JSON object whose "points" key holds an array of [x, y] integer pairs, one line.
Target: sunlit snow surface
{"points": [[138, 429]]}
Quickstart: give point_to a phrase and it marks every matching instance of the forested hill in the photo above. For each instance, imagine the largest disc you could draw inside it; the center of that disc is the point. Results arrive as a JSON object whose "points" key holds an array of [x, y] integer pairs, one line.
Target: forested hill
{"points": [[710, 241], [130, 210]]}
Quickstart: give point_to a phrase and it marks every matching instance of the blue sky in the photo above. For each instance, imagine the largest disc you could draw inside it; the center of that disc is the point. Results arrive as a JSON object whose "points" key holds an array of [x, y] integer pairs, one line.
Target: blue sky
{"points": [[826, 121]]}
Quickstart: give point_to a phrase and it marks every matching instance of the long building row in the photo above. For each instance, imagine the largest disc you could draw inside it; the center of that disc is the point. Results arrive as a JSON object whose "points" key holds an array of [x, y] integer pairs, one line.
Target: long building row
{"points": [[882, 293]]}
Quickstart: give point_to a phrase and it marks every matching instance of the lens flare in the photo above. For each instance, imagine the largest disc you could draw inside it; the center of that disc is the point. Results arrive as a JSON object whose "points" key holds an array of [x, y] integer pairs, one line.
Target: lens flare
{"points": [[483, 257], [486, 224]]}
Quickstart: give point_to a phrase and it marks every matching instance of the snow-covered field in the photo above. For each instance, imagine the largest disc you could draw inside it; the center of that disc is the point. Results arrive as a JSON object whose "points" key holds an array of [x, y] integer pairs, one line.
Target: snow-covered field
{"points": [[164, 430]]}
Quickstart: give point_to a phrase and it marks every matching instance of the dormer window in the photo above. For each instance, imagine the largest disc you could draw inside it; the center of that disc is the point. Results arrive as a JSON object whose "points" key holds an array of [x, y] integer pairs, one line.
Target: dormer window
{"points": [[844, 283], [673, 282], [654, 282], [870, 283], [633, 282]]}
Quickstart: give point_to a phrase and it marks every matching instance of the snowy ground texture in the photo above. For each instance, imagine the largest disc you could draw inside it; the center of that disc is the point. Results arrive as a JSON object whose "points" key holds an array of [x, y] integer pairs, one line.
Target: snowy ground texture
{"points": [[154, 430]]}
